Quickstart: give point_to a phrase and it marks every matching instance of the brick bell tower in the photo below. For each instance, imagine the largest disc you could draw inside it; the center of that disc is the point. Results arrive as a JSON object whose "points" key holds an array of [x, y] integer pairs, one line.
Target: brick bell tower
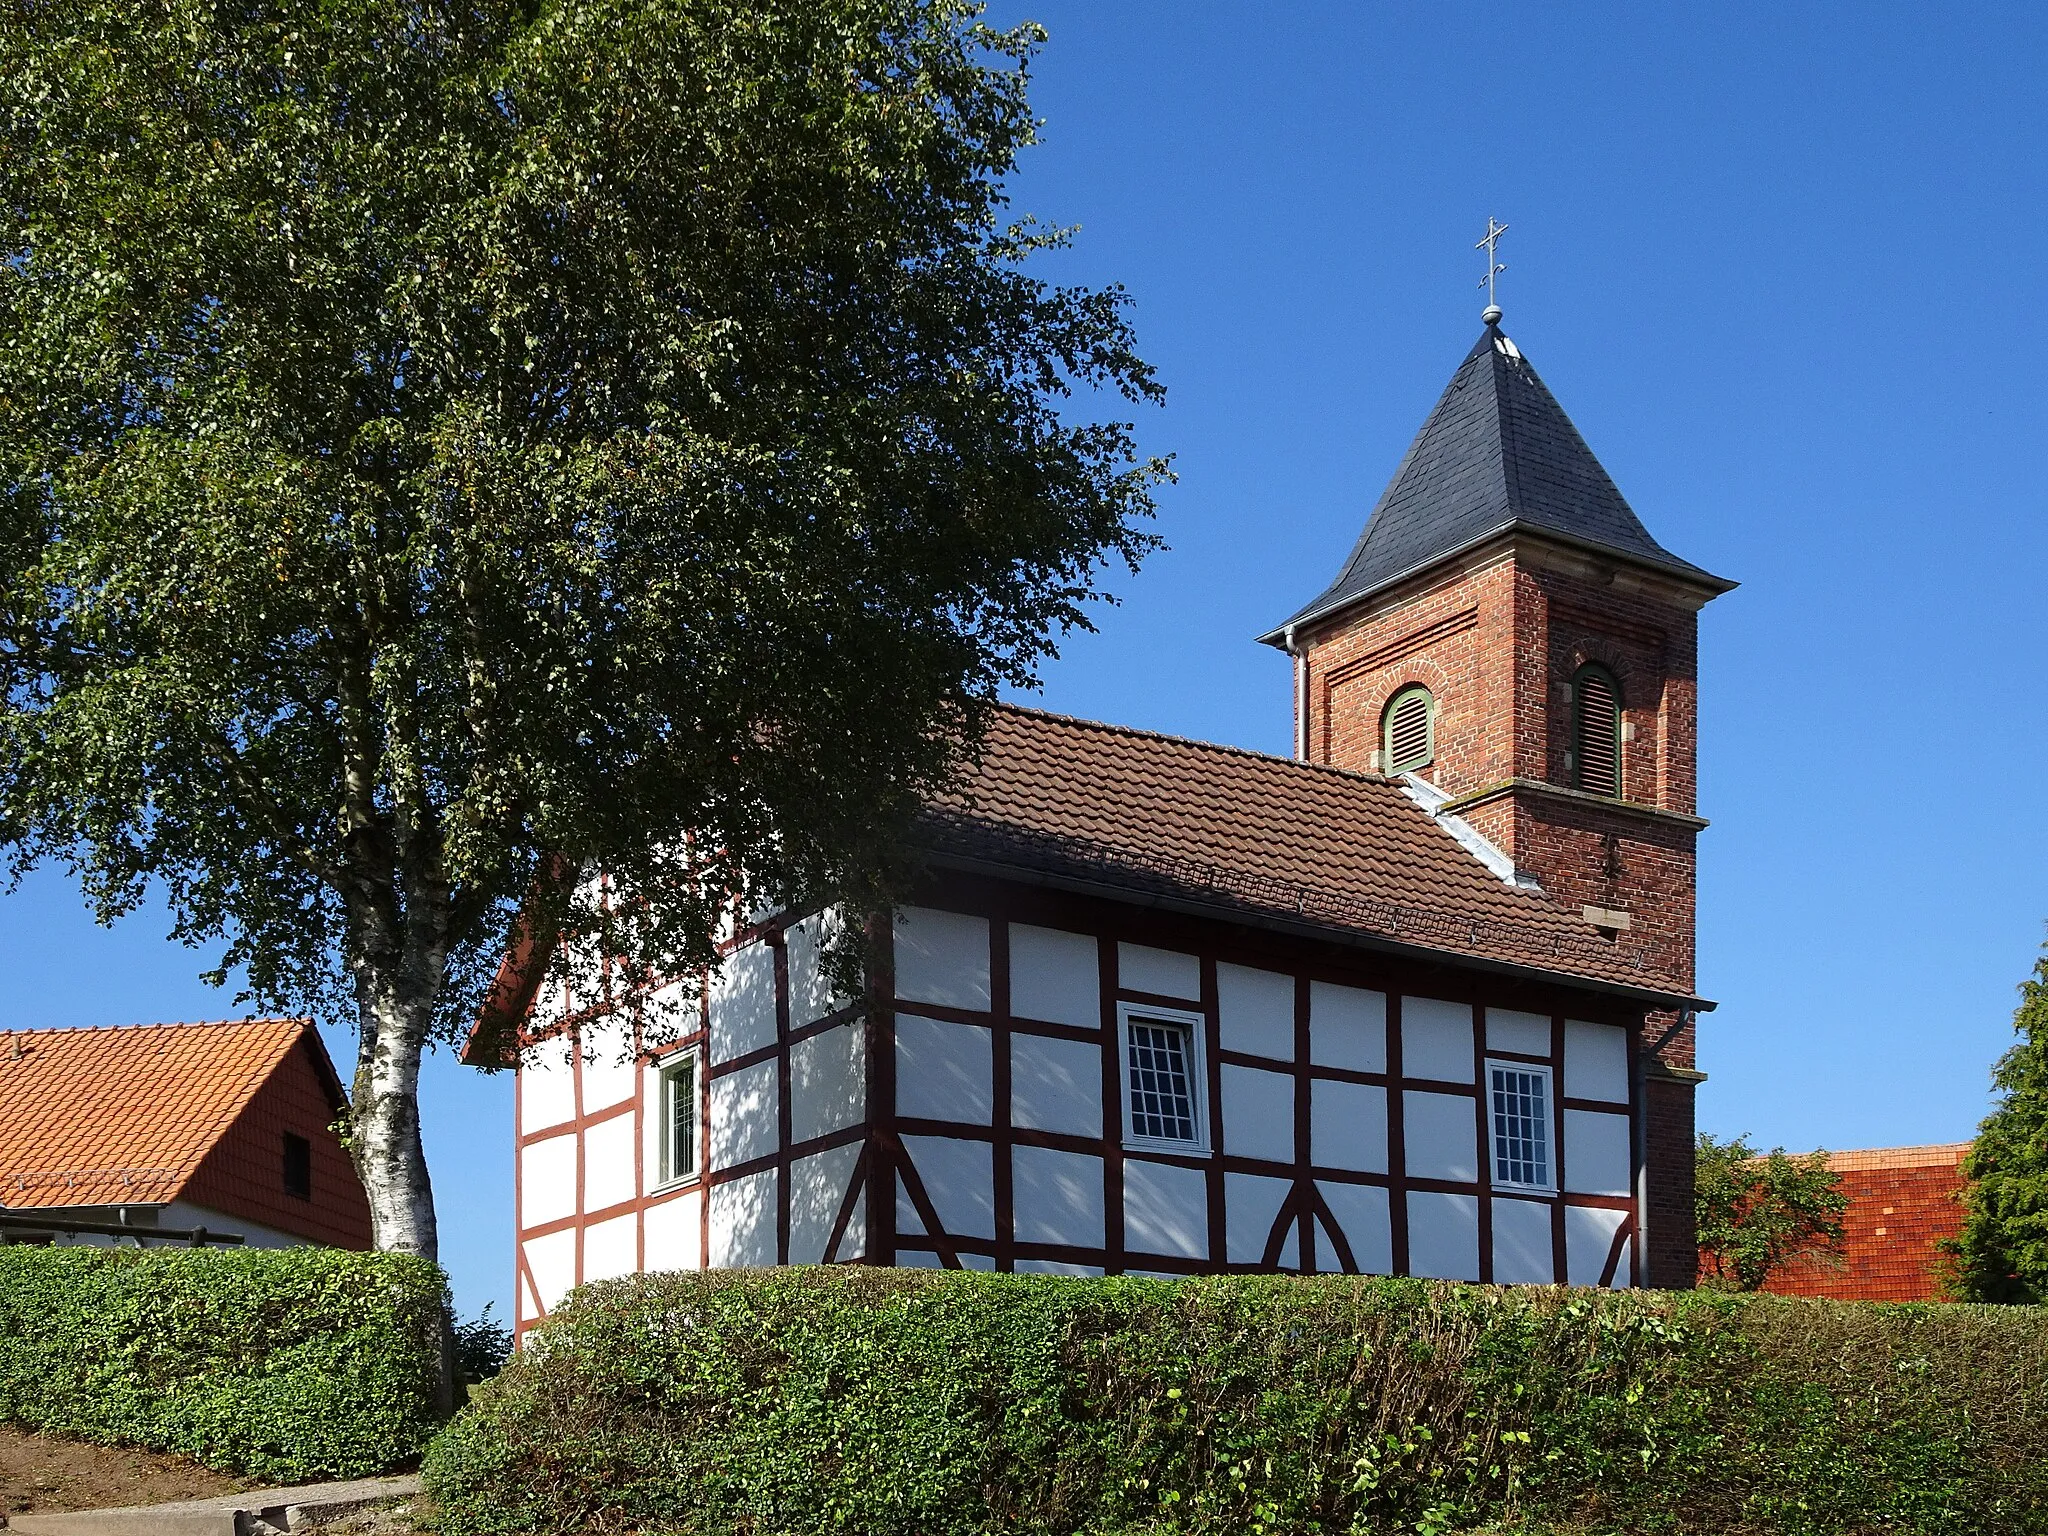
{"points": [[1507, 631]]}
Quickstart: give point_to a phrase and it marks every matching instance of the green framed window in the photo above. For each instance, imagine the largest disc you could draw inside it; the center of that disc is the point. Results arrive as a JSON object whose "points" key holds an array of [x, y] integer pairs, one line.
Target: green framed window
{"points": [[1595, 757], [1408, 731], [678, 1111]]}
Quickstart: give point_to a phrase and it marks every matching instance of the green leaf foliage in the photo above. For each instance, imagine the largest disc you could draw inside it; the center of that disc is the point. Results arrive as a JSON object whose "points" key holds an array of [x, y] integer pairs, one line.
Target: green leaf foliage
{"points": [[443, 445], [1756, 1212], [287, 1365], [2002, 1254], [908, 1404]]}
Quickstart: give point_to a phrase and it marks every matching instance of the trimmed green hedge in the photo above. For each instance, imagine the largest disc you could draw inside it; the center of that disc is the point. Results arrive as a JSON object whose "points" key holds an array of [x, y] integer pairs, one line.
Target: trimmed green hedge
{"points": [[927, 1404], [280, 1364]]}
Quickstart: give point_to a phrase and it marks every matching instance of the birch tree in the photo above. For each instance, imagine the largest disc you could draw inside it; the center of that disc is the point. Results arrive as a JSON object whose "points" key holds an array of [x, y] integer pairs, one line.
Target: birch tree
{"points": [[447, 445]]}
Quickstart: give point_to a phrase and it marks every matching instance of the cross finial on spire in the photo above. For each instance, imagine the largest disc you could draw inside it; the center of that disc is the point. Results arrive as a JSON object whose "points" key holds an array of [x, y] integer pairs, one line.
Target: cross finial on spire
{"points": [[1494, 231]]}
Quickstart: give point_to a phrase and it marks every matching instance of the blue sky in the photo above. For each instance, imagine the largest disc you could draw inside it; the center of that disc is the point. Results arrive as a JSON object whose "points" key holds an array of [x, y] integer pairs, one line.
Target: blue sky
{"points": [[1782, 266]]}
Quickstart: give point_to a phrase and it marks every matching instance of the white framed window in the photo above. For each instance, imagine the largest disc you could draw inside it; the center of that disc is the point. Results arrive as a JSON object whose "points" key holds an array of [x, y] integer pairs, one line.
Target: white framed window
{"points": [[676, 1118], [1165, 1082], [1518, 1098]]}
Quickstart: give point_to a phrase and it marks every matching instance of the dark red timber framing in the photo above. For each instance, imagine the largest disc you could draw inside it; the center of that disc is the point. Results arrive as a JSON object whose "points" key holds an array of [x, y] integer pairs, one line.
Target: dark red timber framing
{"points": [[1303, 1233]]}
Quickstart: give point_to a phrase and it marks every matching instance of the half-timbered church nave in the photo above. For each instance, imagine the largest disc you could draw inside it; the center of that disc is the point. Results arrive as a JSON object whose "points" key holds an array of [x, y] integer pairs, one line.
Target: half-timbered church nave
{"points": [[1418, 1000]]}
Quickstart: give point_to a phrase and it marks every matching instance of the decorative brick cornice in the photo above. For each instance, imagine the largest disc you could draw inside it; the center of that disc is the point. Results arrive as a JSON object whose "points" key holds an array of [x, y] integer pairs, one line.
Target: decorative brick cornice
{"points": [[1507, 787], [1664, 1072]]}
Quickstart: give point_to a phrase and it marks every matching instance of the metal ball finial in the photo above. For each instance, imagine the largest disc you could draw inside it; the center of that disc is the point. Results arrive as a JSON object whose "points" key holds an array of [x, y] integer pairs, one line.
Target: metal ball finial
{"points": [[1490, 314]]}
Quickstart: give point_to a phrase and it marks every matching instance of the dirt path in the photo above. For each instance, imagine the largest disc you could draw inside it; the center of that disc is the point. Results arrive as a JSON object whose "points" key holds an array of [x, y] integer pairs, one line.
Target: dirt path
{"points": [[37, 1473]]}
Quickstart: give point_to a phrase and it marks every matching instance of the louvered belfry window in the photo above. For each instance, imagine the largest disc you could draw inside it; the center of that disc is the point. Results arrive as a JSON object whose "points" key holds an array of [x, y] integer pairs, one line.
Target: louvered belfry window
{"points": [[1410, 731], [1596, 736]]}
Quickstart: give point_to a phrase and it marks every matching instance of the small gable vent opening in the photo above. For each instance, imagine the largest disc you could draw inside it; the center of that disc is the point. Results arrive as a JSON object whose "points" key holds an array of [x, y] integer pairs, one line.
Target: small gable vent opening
{"points": [[298, 1166], [1596, 732], [1409, 730]]}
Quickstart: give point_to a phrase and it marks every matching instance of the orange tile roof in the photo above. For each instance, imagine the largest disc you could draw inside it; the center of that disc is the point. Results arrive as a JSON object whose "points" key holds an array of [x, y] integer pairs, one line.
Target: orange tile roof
{"points": [[124, 1115], [1946, 1155], [1222, 827], [1904, 1202]]}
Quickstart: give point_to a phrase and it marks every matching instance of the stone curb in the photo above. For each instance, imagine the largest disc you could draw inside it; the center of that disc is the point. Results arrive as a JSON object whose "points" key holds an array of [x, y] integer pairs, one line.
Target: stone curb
{"points": [[255, 1513]]}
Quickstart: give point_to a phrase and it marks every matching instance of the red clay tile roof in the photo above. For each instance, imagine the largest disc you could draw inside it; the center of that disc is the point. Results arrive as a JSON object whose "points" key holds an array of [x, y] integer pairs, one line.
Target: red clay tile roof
{"points": [[1948, 1154], [1903, 1202], [1221, 827], [113, 1116]]}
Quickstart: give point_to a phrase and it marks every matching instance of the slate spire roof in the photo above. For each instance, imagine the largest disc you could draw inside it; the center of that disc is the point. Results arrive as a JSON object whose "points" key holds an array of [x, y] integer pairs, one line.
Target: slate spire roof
{"points": [[1497, 453]]}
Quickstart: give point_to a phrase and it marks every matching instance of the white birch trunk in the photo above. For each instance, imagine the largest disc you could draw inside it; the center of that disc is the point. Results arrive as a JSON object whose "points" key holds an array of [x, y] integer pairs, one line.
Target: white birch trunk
{"points": [[385, 1120]]}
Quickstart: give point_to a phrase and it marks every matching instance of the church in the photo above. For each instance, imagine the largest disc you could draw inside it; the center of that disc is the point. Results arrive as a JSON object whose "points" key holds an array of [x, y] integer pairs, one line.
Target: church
{"points": [[1418, 1000]]}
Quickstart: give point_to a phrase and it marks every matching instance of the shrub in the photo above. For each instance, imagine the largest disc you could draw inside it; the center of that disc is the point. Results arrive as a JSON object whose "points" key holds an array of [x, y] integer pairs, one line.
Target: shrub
{"points": [[281, 1364], [919, 1404]]}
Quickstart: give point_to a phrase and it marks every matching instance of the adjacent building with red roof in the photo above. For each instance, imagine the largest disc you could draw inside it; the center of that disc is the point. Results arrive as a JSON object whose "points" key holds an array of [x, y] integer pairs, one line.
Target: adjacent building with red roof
{"points": [[225, 1126], [1904, 1203]]}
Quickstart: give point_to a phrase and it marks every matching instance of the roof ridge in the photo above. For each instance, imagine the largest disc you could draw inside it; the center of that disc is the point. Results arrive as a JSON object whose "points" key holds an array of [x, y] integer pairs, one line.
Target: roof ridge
{"points": [[1110, 727], [110, 1029]]}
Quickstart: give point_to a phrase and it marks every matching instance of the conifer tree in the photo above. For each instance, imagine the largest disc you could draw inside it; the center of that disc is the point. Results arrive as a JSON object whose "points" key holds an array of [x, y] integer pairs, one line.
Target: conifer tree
{"points": [[2002, 1254]]}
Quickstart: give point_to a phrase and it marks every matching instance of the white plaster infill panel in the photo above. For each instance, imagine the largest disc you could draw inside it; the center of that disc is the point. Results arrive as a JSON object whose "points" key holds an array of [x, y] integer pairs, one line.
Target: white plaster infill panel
{"points": [[1347, 1027], [944, 1071], [828, 1082], [1521, 1242], [1436, 1040], [552, 1262], [942, 958], [959, 1179], [1348, 1126], [811, 993], [1251, 1204], [817, 1190], [547, 1084], [743, 1115], [1258, 1114], [1166, 1209], [743, 1222], [743, 1003], [1363, 1212], [1596, 1152], [608, 1172], [1588, 1239], [1256, 1010], [611, 1248], [1527, 1034], [1162, 972], [667, 1014], [1443, 1236], [675, 1233], [608, 1063], [1443, 1137], [1058, 1198], [547, 1181], [1595, 1062], [1055, 1085], [1055, 976]]}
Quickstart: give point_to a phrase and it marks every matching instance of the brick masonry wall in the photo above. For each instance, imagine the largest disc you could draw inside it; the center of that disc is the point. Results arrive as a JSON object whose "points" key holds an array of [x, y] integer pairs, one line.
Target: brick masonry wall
{"points": [[244, 1173], [1497, 644], [1902, 1204]]}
